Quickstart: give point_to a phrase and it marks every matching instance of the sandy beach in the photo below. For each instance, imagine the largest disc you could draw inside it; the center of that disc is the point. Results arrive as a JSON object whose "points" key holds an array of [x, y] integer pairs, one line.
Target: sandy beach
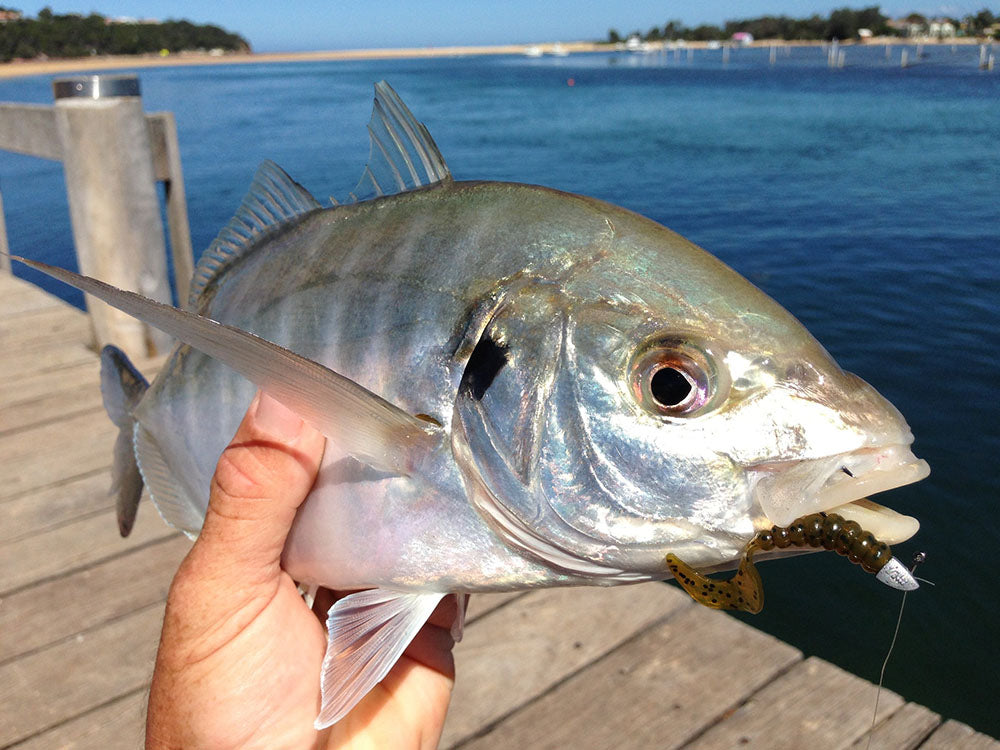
{"points": [[54, 67], [21, 68]]}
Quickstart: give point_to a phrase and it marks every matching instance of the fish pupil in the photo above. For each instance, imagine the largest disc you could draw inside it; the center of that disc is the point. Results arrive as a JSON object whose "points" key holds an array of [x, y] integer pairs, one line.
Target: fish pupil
{"points": [[669, 386], [486, 360]]}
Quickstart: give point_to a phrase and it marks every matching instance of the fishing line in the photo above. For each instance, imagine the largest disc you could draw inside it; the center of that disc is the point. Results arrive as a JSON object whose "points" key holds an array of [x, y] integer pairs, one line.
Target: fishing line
{"points": [[918, 558]]}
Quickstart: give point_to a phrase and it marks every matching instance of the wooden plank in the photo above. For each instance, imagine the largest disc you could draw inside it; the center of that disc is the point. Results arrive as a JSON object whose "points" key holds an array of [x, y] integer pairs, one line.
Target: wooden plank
{"points": [[481, 605], [46, 397], [34, 386], [50, 326], [78, 675], [659, 690], [30, 129], [75, 545], [20, 364], [517, 652], [55, 506], [120, 725], [31, 386], [904, 730], [21, 297], [95, 595], [84, 399], [955, 734], [47, 454], [820, 706]]}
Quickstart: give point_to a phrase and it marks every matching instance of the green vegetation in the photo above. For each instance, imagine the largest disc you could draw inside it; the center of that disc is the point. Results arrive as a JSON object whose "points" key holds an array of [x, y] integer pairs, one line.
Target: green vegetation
{"points": [[74, 35], [842, 23]]}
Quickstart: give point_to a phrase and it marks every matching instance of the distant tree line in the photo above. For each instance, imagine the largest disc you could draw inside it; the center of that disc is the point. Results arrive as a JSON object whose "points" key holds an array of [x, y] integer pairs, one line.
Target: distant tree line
{"points": [[843, 23], [75, 35]]}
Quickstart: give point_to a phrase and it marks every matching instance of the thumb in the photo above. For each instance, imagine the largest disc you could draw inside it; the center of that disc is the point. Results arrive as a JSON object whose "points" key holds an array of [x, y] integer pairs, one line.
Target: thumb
{"points": [[262, 477]]}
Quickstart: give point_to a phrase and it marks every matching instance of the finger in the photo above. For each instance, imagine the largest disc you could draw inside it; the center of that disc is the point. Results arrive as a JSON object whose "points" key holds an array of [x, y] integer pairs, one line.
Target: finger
{"points": [[261, 479]]}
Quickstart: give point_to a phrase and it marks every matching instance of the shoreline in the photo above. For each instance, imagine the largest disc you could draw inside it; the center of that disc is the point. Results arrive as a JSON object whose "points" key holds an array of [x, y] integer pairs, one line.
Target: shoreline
{"points": [[71, 65], [25, 68]]}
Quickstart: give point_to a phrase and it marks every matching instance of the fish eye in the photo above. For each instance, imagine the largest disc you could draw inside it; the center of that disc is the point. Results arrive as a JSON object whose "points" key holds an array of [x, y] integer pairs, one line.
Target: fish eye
{"points": [[671, 379], [670, 386]]}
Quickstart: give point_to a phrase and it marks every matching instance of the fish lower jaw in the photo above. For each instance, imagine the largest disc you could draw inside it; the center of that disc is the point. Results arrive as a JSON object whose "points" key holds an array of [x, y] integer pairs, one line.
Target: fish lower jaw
{"points": [[874, 470], [841, 484]]}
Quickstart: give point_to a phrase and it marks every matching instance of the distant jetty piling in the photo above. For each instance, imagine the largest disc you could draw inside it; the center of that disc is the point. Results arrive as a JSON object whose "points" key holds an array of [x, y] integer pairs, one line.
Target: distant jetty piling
{"points": [[986, 57], [904, 58], [113, 154], [4, 260]]}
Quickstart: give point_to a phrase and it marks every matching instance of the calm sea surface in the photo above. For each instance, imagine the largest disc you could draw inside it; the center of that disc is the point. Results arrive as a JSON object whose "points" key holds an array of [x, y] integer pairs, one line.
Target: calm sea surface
{"points": [[865, 199]]}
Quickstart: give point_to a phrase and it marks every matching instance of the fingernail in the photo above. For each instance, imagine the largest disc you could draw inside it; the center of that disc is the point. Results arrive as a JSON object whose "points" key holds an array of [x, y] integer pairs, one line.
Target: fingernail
{"points": [[274, 417]]}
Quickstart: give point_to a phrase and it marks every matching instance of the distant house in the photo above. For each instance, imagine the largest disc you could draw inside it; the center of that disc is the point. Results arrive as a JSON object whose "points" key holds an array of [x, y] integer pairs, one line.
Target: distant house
{"points": [[906, 28], [941, 28], [129, 21], [10, 15], [865, 34], [743, 38]]}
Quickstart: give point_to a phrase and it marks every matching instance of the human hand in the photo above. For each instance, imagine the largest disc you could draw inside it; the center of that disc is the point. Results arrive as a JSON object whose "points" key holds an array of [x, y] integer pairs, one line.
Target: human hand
{"points": [[240, 653]]}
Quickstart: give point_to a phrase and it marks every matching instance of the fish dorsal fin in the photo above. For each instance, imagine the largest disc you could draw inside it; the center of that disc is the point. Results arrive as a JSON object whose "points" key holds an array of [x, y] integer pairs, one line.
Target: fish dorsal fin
{"points": [[273, 199], [403, 155]]}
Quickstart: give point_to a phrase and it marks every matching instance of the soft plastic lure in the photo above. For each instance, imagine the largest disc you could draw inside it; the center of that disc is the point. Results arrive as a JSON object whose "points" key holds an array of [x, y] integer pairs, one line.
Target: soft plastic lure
{"points": [[745, 591]]}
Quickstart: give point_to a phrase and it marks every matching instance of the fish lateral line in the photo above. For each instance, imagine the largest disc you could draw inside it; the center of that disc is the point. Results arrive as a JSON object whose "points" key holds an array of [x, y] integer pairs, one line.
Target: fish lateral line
{"points": [[745, 591]]}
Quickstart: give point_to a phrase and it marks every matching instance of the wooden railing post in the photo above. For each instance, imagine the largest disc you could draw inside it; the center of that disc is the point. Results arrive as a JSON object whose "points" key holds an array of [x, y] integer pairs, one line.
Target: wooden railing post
{"points": [[113, 203], [4, 248]]}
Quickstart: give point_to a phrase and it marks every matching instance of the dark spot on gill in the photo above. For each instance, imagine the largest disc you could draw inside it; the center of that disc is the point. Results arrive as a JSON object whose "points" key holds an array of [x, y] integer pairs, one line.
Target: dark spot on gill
{"points": [[486, 360]]}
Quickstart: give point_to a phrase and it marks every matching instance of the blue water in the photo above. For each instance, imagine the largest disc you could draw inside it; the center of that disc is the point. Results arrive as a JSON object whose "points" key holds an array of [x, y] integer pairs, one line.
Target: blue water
{"points": [[865, 199]]}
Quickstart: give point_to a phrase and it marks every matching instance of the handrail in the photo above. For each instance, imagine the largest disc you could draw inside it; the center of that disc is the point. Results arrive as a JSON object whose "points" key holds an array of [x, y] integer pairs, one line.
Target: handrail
{"points": [[112, 153]]}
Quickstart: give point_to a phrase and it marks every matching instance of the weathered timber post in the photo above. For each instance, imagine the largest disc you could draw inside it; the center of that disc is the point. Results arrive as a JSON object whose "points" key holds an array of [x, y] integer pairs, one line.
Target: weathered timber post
{"points": [[4, 259], [113, 204]]}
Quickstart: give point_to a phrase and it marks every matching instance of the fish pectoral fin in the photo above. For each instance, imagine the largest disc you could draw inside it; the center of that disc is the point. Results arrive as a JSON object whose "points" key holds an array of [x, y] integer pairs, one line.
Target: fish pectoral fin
{"points": [[403, 156], [367, 633], [744, 591], [362, 423]]}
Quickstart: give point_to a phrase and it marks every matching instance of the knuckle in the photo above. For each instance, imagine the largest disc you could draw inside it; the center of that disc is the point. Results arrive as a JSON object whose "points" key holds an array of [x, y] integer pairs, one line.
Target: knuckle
{"points": [[241, 474]]}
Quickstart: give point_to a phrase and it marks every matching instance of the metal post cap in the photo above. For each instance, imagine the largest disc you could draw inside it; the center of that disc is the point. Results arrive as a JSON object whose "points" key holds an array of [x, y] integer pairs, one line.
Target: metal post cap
{"points": [[96, 87]]}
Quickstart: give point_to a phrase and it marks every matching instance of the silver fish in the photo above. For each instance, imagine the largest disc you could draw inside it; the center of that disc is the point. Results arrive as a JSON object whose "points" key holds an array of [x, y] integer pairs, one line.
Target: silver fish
{"points": [[521, 388]]}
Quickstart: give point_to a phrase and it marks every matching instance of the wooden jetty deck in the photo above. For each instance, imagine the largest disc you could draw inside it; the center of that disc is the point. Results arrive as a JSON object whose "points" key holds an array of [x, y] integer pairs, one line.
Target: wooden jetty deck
{"points": [[630, 667]]}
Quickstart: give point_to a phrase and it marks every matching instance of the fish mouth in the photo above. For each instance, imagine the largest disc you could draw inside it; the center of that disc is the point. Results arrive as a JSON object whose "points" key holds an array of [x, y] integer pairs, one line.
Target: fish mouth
{"points": [[841, 484]]}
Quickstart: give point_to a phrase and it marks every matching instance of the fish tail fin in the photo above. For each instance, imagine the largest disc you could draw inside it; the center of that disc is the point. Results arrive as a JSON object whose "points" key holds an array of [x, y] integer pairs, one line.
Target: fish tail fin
{"points": [[122, 387]]}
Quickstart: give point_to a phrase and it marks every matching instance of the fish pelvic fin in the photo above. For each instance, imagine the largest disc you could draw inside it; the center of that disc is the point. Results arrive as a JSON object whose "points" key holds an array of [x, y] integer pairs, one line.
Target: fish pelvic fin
{"points": [[402, 154], [367, 633], [122, 388], [274, 198], [362, 423]]}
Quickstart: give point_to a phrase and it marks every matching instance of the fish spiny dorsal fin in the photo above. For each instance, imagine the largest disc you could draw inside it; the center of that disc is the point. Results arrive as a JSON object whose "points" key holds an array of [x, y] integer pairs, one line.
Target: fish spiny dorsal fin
{"points": [[273, 199], [403, 155]]}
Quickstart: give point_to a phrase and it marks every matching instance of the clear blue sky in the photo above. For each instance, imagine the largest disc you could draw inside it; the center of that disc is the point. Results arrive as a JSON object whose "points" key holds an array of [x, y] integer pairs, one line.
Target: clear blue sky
{"points": [[293, 25]]}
